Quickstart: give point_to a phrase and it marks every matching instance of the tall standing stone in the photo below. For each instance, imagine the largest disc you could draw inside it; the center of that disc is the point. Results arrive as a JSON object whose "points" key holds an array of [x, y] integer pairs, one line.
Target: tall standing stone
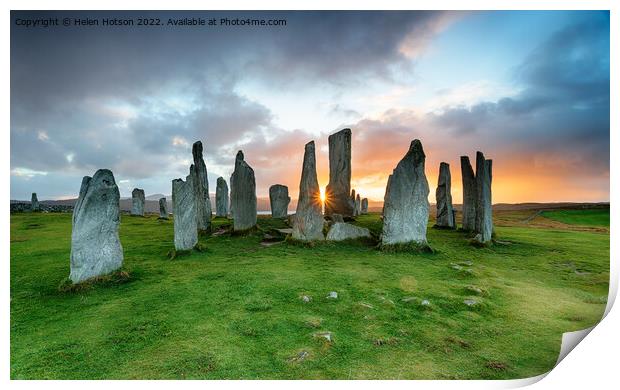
{"points": [[358, 205], [34, 203], [337, 200], [308, 220], [201, 189], [406, 207], [185, 221], [443, 196], [243, 195], [163, 208], [484, 212], [470, 197], [353, 202], [221, 198], [95, 245], [137, 202], [365, 206], [279, 200]]}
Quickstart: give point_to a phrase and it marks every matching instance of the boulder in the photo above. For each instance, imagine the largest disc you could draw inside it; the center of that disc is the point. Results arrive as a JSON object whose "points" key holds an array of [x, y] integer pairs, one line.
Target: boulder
{"points": [[406, 207], [279, 200], [308, 220], [243, 195], [185, 221], [137, 202], [470, 197], [443, 196], [201, 188], [95, 245], [163, 208], [337, 218], [341, 231], [221, 198], [337, 200], [34, 203], [484, 212]]}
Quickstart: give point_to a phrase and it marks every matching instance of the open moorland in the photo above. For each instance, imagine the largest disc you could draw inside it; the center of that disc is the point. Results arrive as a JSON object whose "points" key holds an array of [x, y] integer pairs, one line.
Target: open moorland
{"points": [[246, 307]]}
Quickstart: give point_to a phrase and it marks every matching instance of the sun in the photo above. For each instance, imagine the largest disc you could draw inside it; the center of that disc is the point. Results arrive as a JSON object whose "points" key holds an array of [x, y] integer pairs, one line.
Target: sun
{"points": [[322, 194]]}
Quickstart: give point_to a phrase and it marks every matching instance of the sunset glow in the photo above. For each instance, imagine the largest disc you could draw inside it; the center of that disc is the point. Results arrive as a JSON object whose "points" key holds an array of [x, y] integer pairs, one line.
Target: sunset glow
{"points": [[458, 81]]}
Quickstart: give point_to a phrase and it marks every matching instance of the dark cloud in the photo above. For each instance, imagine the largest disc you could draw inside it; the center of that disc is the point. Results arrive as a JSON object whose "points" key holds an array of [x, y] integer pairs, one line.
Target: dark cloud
{"points": [[134, 100]]}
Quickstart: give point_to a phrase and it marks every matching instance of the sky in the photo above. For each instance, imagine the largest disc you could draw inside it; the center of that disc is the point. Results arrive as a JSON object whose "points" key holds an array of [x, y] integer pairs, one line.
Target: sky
{"points": [[530, 89]]}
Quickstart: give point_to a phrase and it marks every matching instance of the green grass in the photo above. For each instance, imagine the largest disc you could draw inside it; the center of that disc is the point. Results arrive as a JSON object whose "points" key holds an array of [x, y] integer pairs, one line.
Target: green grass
{"points": [[587, 217], [234, 309]]}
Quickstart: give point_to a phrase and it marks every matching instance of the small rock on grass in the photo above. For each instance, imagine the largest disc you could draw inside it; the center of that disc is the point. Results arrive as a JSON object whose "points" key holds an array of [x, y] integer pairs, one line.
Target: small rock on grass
{"points": [[299, 357], [306, 298], [332, 295], [470, 302], [327, 336]]}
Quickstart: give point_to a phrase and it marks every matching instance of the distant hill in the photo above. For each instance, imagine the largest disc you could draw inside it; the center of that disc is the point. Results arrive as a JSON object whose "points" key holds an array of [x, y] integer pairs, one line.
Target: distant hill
{"points": [[152, 204]]}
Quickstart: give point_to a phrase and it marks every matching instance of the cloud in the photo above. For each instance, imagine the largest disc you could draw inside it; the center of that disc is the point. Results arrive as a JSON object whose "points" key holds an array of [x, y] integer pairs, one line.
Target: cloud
{"points": [[551, 139], [133, 100]]}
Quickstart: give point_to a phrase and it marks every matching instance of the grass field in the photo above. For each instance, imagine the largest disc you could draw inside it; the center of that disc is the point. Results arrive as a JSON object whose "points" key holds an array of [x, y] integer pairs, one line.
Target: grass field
{"points": [[235, 309], [594, 217]]}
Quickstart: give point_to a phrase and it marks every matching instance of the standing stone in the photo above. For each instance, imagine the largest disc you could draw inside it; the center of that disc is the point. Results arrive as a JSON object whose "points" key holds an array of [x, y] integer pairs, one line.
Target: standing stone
{"points": [[201, 189], [34, 203], [470, 197], [406, 207], [137, 202], [163, 208], [185, 221], [443, 196], [308, 221], [95, 246], [337, 200], [484, 213], [231, 207], [221, 198], [243, 195], [365, 206], [353, 202], [358, 205], [279, 200]]}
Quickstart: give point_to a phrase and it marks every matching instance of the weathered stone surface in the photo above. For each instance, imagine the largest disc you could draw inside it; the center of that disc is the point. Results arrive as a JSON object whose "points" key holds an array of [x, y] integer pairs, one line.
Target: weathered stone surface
{"points": [[443, 196], [484, 213], [163, 208], [337, 218], [279, 200], [406, 207], [344, 231], [95, 246], [308, 221], [353, 202], [221, 198], [34, 203], [137, 202], [201, 188], [470, 197], [243, 195], [185, 221], [339, 187], [365, 206], [358, 205]]}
